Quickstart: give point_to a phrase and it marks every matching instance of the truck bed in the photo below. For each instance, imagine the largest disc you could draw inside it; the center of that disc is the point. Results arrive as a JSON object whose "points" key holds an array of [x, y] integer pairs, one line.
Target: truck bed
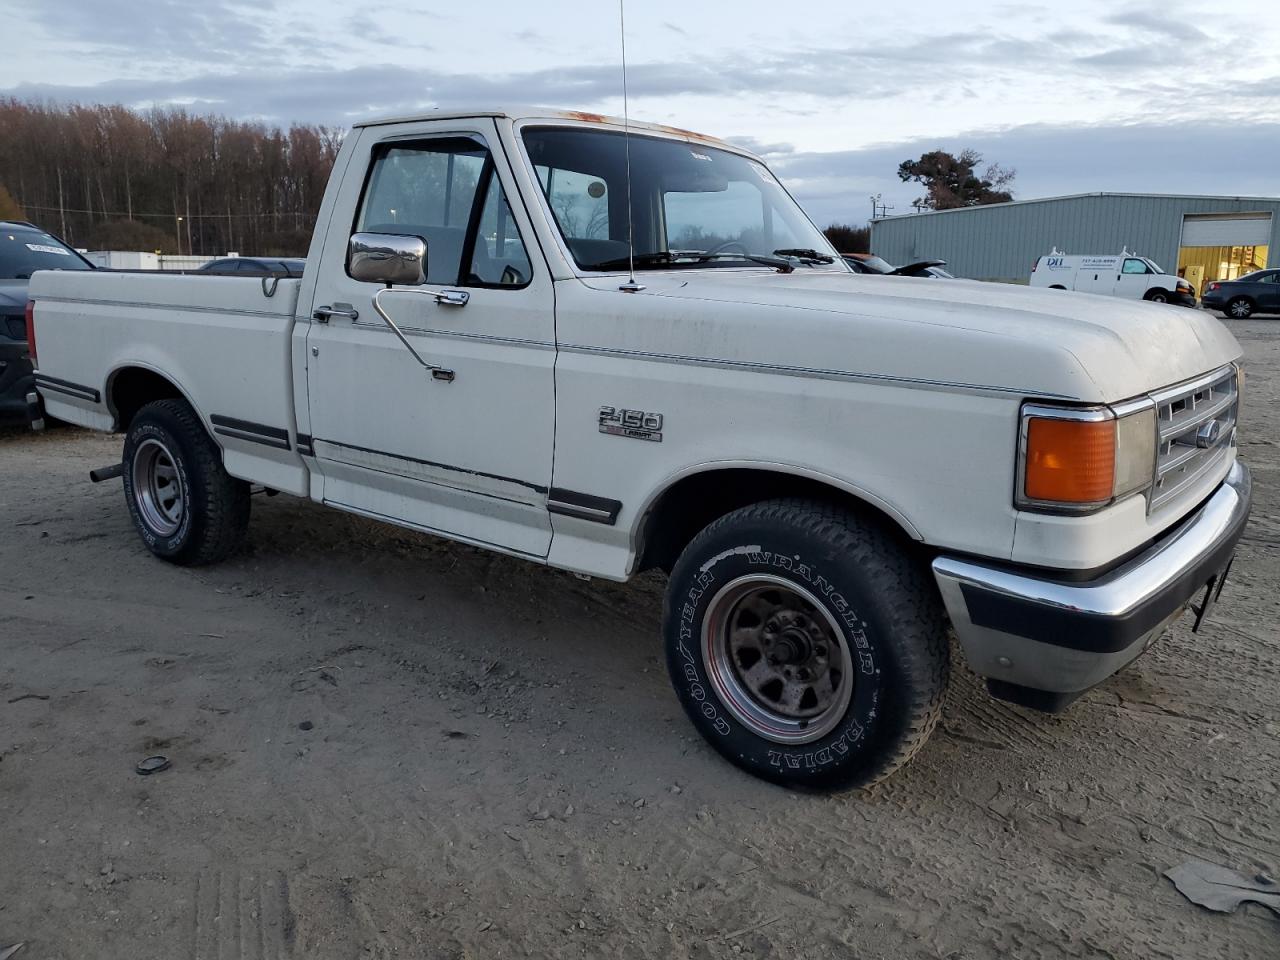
{"points": [[224, 341]]}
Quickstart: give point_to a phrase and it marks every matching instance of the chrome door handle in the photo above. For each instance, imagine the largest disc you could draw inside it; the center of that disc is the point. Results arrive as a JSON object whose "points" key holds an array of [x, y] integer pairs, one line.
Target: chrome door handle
{"points": [[322, 314], [452, 298]]}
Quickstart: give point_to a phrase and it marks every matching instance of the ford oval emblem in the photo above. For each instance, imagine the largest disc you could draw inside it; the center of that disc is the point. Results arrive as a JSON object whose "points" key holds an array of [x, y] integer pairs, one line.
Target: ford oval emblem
{"points": [[1208, 433]]}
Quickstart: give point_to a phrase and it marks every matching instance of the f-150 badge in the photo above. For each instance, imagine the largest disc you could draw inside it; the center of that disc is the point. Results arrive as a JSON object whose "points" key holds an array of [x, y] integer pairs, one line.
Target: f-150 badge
{"points": [[636, 424]]}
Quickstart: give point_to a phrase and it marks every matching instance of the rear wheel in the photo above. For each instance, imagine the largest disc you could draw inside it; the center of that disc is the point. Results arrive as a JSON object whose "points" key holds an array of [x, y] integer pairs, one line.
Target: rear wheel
{"points": [[1240, 308], [185, 506], [805, 644]]}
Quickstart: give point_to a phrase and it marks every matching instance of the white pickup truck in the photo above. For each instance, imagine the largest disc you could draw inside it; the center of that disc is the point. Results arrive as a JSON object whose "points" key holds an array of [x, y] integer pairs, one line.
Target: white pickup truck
{"points": [[837, 472]]}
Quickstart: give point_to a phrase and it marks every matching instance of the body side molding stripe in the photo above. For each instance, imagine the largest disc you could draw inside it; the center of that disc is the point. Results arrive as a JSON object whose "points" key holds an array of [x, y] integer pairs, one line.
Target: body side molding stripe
{"points": [[248, 430], [432, 463], [816, 373], [70, 389], [584, 506]]}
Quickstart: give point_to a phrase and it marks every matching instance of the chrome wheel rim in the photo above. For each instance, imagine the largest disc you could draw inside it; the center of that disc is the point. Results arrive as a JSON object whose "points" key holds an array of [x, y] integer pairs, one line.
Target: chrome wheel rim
{"points": [[157, 489], [1239, 309], [777, 659]]}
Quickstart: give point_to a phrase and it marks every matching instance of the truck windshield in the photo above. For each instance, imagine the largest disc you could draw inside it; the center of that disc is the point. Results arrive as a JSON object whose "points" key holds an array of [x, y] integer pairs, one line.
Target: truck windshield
{"points": [[688, 201], [23, 251]]}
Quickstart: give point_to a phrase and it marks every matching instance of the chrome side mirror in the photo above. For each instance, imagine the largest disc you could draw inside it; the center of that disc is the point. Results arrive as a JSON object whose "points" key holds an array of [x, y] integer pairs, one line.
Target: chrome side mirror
{"points": [[389, 258]]}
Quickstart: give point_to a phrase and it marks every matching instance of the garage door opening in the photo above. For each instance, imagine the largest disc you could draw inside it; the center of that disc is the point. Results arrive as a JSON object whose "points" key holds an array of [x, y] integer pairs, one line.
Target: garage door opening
{"points": [[1223, 246]]}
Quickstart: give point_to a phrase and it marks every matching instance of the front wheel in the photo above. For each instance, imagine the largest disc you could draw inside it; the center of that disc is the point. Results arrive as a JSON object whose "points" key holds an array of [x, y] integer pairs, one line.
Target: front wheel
{"points": [[1158, 296], [185, 506], [806, 645]]}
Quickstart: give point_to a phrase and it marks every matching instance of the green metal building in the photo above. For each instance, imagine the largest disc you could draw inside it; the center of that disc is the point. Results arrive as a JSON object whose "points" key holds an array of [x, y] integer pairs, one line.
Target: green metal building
{"points": [[1201, 238]]}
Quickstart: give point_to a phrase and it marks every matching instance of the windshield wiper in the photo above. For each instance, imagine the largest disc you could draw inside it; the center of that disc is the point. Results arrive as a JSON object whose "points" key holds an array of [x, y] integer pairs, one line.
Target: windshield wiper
{"points": [[658, 259], [665, 258], [781, 265], [805, 255]]}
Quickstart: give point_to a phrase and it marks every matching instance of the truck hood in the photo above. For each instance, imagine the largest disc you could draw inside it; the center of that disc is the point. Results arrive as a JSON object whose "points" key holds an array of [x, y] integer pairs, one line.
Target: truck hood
{"points": [[1051, 343]]}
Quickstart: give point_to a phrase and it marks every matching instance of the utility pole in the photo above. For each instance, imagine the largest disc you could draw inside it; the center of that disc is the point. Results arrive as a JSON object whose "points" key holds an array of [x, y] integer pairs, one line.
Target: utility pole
{"points": [[878, 208], [62, 210]]}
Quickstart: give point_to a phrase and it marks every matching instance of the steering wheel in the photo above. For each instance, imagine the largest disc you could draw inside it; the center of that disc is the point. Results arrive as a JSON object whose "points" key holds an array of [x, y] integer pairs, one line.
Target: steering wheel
{"points": [[724, 248]]}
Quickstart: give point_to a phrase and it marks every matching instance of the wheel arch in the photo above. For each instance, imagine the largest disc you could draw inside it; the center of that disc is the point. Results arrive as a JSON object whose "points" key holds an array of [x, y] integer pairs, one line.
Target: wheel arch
{"points": [[132, 385], [694, 497]]}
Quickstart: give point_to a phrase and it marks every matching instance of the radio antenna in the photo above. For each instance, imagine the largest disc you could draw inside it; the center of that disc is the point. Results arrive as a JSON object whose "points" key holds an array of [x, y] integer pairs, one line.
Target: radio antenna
{"points": [[630, 286]]}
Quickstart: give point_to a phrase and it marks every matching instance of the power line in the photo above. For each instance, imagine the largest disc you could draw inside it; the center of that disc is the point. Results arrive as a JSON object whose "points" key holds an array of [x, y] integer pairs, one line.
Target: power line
{"points": [[135, 214]]}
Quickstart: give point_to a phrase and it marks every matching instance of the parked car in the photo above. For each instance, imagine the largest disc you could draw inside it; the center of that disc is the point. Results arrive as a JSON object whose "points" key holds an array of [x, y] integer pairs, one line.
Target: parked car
{"points": [[256, 266], [1239, 299], [869, 263], [833, 469], [24, 249], [1124, 275]]}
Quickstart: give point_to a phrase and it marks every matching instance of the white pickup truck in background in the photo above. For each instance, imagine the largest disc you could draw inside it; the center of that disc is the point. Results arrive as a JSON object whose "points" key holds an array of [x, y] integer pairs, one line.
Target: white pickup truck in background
{"points": [[835, 471]]}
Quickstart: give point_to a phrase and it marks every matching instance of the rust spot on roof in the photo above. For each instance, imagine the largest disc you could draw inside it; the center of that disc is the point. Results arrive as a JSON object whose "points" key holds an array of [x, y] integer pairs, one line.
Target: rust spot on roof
{"points": [[642, 126]]}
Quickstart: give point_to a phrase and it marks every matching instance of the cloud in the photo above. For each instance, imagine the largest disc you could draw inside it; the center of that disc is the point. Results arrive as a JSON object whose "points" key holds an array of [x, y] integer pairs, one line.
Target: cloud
{"points": [[1162, 24], [209, 31], [1051, 161]]}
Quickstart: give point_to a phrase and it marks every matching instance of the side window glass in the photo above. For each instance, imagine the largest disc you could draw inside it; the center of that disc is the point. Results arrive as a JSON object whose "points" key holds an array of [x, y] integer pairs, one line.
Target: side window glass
{"points": [[425, 189], [1135, 266], [499, 258]]}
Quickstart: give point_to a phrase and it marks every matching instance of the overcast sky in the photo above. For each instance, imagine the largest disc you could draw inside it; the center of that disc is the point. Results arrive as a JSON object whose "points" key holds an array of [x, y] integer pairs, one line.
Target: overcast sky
{"points": [[1080, 96]]}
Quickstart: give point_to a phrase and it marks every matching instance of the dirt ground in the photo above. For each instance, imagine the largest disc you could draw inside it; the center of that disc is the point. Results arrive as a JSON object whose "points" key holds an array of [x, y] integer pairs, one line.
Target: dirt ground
{"points": [[386, 745]]}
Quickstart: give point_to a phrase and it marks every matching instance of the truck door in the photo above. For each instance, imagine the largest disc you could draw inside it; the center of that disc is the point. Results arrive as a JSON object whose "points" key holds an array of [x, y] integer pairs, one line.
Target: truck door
{"points": [[468, 452], [1269, 292], [1097, 275], [1133, 279]]}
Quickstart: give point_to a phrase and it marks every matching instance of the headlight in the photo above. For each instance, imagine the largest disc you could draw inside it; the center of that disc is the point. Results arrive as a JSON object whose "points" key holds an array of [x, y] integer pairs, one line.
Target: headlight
{"points": [[1081, 459]]}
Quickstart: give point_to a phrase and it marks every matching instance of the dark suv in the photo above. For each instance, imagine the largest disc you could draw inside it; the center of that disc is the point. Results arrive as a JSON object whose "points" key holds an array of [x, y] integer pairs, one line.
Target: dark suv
{"points": [[24, 249]]}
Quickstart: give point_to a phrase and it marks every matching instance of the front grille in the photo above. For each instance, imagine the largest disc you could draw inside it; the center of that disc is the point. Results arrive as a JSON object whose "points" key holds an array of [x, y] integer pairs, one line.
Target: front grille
{"points": [[1196, 425]]}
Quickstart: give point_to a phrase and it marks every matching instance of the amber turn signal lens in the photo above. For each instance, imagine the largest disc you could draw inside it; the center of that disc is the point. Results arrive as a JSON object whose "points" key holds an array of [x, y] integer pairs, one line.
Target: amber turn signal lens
{"points": [[1070, 461]]}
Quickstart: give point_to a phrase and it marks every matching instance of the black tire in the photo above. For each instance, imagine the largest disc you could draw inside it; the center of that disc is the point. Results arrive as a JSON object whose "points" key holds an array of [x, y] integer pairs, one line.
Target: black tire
{"points": [[185, 506], [1157, 296], [1057, 286], [866, 586], [1239, 308]]}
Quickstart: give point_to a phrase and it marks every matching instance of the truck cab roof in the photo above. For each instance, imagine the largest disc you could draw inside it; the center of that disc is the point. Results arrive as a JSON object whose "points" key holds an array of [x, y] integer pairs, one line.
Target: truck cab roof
{"points": [[518, 113]]}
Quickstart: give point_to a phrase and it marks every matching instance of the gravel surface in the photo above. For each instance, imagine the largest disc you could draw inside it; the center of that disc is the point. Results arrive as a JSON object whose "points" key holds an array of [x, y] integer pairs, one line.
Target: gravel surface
{"points": [[385, 745]]}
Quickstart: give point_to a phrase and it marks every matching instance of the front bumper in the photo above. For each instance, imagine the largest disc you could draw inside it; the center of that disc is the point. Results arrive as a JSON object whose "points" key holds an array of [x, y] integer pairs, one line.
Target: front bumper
{"points": [[1042, 642], [1183, 299]]}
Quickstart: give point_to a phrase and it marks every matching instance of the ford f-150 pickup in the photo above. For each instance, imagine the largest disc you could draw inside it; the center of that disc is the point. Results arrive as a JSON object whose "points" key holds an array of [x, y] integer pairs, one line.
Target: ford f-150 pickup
{"points": [[612, 347]]}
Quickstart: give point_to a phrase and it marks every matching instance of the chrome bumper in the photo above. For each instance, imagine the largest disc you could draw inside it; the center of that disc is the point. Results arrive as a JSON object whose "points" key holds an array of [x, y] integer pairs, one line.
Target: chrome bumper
{"points": [[1042, 642]]}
